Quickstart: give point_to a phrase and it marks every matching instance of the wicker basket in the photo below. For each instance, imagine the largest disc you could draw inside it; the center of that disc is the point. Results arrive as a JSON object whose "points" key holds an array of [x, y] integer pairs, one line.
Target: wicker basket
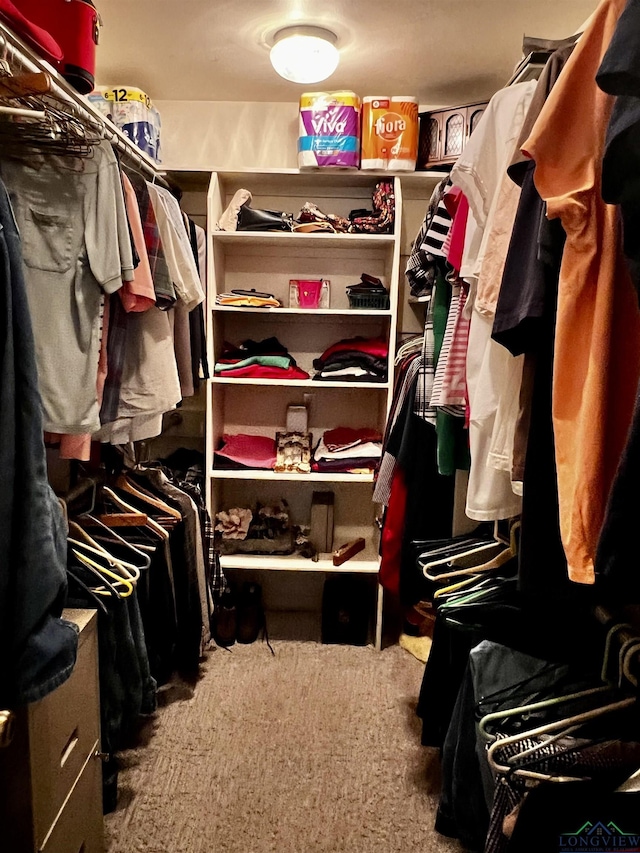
{"points": [[372, 301]]}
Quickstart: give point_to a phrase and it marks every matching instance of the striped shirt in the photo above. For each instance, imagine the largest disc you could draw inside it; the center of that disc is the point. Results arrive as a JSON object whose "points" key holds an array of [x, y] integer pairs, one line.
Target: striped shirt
{"points": [[438, 231]]}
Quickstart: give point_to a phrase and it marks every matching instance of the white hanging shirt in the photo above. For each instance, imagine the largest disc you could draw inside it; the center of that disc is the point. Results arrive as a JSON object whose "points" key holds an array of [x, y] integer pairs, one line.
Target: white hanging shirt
{"points": [[493, 374], [176, 247], [481, 167]]}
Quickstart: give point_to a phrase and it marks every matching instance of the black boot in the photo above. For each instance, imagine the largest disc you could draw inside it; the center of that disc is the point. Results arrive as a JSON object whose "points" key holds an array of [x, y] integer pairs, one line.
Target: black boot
{"points": [[224, 619], [250, 613]]}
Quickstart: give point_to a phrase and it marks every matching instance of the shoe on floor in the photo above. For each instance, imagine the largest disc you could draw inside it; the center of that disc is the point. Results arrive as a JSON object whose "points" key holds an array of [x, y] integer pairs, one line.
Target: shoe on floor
{"points": [[224, 621], [250, 613]]}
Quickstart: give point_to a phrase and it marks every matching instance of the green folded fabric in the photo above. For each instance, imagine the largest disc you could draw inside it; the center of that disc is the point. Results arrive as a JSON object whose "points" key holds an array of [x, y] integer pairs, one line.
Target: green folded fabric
{"points": [[283, 361]]}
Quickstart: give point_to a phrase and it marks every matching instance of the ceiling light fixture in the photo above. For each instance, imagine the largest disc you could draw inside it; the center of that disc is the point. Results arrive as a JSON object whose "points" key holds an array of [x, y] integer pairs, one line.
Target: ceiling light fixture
{"points": [[305, 54]]}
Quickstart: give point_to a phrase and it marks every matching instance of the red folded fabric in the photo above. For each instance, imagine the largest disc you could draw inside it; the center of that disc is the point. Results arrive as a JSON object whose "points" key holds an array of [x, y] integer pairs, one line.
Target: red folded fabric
{"points": [[40, 40], [258, 371], [342, 437], [372, 346]]}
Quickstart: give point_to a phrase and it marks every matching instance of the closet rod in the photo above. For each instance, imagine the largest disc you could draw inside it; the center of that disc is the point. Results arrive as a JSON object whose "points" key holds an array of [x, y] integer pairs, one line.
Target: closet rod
{"points": [[13, 48]]}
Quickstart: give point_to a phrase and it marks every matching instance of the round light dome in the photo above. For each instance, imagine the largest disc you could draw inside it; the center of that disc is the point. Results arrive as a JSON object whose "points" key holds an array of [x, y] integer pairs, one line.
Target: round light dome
{"points": [[305, 54]]}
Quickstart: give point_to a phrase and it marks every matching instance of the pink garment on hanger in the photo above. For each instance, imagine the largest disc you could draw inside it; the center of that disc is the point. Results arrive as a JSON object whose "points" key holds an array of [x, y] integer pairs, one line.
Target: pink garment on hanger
{"points": [[139, 294], [454, 380], [458, 232]]}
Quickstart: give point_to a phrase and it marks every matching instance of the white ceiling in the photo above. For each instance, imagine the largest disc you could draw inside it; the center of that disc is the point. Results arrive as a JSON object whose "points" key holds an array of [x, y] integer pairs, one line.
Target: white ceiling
{"points": [[442, 51]]}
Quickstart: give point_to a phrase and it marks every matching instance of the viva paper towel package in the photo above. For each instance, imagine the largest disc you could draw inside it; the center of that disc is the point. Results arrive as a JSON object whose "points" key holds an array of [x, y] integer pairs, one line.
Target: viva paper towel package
{"points": [[389, 133], [329, 130]]}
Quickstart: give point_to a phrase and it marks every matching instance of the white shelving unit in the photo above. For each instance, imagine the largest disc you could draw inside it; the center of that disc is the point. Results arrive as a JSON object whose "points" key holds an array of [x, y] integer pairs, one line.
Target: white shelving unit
{"points": [[266, 262]]}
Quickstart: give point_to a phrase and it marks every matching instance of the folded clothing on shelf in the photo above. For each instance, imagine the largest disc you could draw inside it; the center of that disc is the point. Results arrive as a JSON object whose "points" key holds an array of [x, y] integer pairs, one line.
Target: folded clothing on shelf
{"points": [[342, 438], [381, 220], [354, 359], [345, 466], [347, 450], [247, 451], [247, 299], [282, 361], [257, 371], [267, 359]]}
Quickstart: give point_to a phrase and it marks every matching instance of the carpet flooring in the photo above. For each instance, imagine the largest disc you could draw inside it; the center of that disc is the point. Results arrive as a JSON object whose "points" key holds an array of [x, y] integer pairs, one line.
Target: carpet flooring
{"points": [[315, 750]]}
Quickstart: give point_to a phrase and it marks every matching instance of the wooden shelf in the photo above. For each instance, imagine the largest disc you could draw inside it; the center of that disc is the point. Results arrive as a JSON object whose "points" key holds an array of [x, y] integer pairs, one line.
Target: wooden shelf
{"points": [[313, 477], [369, 564], [319, 184], [284, 239], [298, 383], [310, 312]]}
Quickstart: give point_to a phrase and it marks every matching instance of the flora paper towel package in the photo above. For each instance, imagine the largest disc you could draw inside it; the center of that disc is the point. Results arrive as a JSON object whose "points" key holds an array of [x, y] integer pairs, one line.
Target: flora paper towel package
{"points": [[329, 130], [389, 132]]}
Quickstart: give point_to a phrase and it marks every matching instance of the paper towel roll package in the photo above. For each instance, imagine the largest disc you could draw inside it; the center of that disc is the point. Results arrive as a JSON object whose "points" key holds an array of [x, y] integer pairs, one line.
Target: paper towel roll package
{"points": [[389, 133], [404, 147], [329, 130], [131, 110], [373, 154]]}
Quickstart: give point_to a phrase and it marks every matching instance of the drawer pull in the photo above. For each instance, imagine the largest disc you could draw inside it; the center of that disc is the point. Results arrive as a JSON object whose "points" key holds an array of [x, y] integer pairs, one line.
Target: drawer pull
{"points": [[70, 746], [7, 725], [101, 756]]}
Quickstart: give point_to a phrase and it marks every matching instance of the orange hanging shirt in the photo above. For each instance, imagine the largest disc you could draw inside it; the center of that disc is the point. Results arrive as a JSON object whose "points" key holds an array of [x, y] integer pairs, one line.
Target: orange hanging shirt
{"points": [[597, 351]]}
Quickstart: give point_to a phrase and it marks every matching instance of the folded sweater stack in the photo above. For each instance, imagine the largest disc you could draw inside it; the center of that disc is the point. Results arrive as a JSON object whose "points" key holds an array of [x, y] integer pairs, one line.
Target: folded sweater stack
{"points": [[267, 359], [354, 360], [247, 299], [347, 450]]}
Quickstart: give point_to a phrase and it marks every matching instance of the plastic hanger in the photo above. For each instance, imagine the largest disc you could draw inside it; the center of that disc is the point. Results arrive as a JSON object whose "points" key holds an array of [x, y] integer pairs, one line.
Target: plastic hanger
{"points": [[128, 570], [79, 531], [495, 563], [569, 725], [442, 555], [606, 686], [106, 573], [455, 587], [93, 594], [565, 727], [105, 588], [480, 592]]}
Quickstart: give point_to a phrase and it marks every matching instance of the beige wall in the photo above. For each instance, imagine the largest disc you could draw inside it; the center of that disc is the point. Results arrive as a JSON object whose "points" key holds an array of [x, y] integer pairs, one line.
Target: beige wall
{"points": [[229, 135], [203, 135]]}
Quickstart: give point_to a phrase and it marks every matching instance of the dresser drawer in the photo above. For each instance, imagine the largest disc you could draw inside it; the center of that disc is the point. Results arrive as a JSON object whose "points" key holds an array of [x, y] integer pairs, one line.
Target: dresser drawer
{"points": [[63, 730], [78, 828]]}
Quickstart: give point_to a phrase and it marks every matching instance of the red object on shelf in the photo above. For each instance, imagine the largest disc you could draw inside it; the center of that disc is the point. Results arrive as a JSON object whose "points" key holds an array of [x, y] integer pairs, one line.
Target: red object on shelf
{"points": [[35, 36], [75, 25]]}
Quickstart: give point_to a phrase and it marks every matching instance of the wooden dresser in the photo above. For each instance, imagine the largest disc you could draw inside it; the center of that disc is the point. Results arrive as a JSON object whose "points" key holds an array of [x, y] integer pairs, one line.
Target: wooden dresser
{"points": [[50, 773]]}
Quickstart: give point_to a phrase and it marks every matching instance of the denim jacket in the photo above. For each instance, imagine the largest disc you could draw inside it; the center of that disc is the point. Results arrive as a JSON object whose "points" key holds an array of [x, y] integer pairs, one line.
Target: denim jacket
{"points": [[37, 647]]}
